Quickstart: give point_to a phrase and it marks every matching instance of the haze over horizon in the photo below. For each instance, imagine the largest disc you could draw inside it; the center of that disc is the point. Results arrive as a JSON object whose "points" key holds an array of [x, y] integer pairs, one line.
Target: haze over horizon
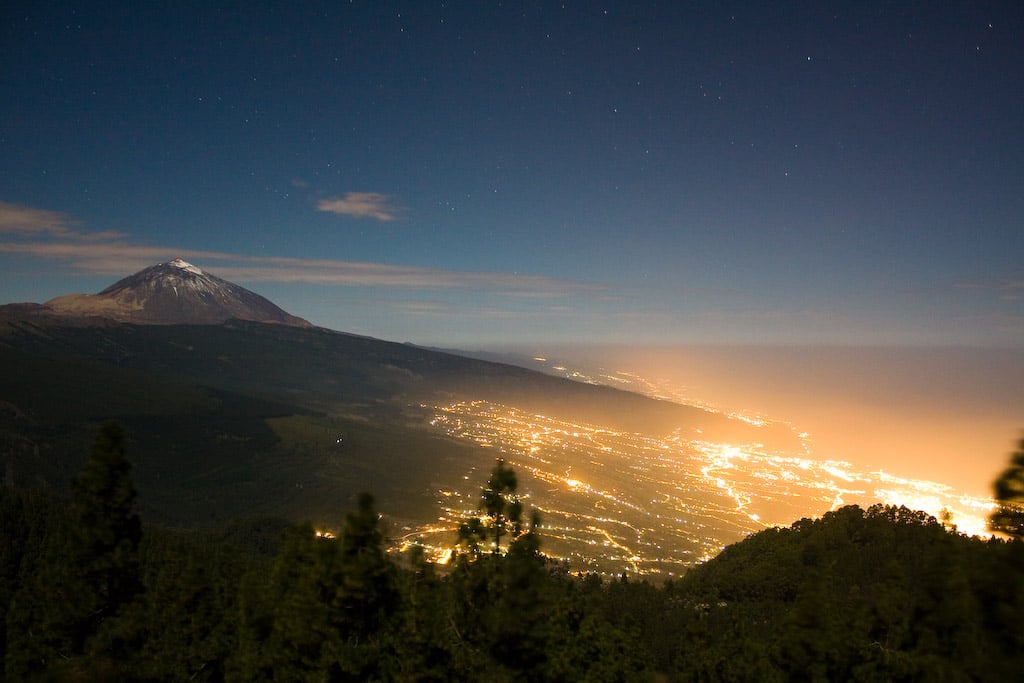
{"points": [[948, 415]]}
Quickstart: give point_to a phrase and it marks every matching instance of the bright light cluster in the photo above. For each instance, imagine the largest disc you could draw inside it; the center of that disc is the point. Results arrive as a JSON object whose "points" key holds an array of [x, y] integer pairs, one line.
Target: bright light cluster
{"points": [[615, 501]]}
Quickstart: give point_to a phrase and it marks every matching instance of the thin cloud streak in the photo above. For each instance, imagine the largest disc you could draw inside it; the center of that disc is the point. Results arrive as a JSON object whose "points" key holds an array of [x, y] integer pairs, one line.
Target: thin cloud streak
{"points": [[22, 220], [999, 284], [118, 258], [106, 253], [361, 205], [361, 274], [105, 258]]}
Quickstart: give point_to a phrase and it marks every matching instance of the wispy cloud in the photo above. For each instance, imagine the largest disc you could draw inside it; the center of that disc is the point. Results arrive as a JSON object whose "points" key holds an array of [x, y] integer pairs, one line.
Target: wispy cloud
{"points": [[443, 310], [362, 274], [361, 205], [1011, 289], [770, 315], [106, 253], [106, 258], [1006, 289], [22, 220]]}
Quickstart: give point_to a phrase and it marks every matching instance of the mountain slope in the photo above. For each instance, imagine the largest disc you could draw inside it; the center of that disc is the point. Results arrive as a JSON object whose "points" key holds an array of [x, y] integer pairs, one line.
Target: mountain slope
{"points": [[244, 418], [175, 292]]}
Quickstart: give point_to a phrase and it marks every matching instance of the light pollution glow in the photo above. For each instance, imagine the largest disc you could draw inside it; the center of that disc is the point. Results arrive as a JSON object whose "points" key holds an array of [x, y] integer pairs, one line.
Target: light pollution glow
{"points": [[940, 414], [653, 505]]}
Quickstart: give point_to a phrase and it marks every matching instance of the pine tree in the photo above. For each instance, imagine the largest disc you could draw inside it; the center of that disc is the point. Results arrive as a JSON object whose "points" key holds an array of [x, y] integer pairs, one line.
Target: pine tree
{"points": [[65, 616], [325, 609], [499, 502], [108, 530], [1009, 492], [369, 591], [519, 622]]}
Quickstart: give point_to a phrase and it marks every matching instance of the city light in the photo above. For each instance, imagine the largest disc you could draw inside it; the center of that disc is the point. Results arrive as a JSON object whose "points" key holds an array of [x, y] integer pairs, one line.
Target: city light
{"points": [[614, 501]]}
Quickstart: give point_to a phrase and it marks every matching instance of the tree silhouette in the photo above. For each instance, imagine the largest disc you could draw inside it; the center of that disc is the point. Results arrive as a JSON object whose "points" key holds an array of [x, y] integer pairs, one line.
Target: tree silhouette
{"points": [[72, 611], [499, 502], [502, 513], [518, 621], [471, 532], [109, 529], [325, 608], [1009, 492]]}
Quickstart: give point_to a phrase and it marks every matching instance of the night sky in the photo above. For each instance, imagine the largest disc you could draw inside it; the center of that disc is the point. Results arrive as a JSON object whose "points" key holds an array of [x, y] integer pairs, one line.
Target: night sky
{"points": [[483, 173]]}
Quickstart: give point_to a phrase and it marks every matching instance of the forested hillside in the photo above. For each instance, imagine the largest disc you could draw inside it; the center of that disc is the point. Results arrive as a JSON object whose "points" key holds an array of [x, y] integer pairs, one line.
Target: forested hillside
{"points": [[87, 592]]}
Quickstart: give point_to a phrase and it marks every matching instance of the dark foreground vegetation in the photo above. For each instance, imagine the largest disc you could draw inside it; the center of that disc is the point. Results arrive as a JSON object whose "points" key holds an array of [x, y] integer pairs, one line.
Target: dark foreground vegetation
{"points": [[88, 593]]}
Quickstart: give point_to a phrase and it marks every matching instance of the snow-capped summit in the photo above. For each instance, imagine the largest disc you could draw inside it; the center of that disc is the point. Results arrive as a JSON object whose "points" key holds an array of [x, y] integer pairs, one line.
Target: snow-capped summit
{"points": [[185, 265], [175, 292]]}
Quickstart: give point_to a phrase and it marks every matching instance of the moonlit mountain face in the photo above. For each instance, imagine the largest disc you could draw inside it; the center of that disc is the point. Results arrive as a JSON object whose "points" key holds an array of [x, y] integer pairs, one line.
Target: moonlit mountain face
{"points": [[175, 292]]}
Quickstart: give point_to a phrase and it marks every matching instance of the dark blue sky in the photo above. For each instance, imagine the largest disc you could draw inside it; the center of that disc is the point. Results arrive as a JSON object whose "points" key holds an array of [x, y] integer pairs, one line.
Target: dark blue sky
{"points": [[482, 173]]}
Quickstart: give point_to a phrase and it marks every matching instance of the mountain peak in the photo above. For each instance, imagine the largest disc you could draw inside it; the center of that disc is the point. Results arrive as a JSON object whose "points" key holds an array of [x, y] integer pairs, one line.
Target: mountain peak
{"points": [[184, 265], [175, 292]]}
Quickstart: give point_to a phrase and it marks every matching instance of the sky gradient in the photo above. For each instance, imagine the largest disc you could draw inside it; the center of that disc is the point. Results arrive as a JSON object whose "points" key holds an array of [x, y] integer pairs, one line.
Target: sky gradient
{"points": [[473, 174]]}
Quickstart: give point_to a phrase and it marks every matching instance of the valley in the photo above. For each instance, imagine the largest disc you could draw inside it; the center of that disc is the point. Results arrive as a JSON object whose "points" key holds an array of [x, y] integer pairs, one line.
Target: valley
{"points": [[246, 419], [614, 501]]}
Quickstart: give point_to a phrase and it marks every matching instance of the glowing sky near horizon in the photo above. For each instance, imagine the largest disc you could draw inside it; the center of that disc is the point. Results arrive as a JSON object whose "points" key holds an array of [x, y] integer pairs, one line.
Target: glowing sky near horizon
{"points": [[948, 415], [469, 173]]}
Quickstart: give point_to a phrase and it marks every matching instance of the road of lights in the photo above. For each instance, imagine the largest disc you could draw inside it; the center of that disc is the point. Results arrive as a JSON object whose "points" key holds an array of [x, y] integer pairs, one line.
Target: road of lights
{"points": [[615, 501]]}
